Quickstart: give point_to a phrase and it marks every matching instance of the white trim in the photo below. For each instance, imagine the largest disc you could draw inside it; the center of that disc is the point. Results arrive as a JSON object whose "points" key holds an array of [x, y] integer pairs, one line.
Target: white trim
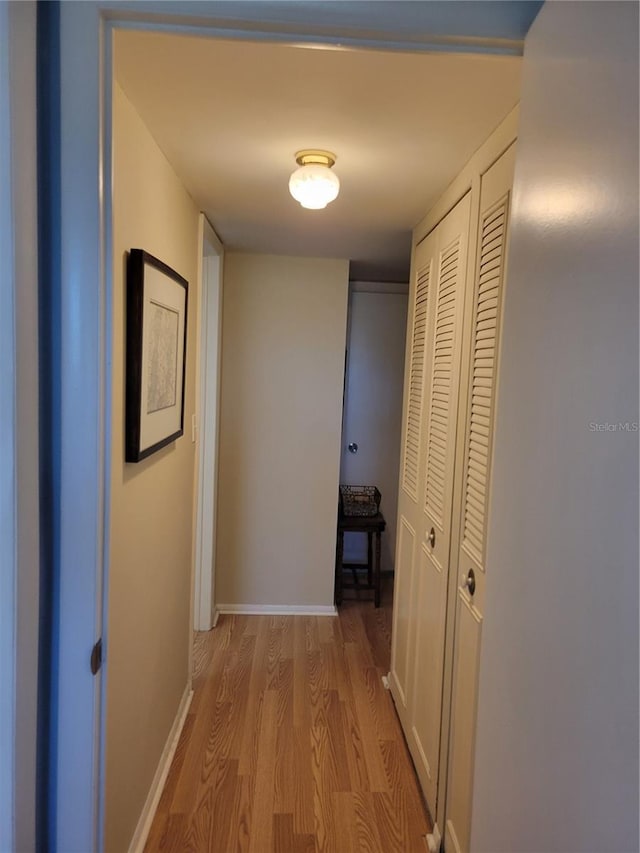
{"points": [[27, 487], [321, 25], [155, 791], [85, 187], [210, 236], [8, 479], [106, 324], [19, 451], [434, 840], [208, 408], [279, 609]]}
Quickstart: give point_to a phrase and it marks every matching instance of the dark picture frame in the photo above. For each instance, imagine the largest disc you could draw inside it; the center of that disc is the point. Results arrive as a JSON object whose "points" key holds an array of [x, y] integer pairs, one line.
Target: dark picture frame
{"points": [[156, 355]]}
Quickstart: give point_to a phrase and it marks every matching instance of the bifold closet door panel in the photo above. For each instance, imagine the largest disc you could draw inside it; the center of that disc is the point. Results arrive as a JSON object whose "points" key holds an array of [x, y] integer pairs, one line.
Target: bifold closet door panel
{"points": [[420, 333], [462, 727], [479, 421], [435, 512]]}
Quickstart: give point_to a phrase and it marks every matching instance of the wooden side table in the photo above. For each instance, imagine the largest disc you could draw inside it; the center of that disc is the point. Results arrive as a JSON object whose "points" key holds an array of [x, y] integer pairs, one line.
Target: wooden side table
{"points": [[369, 524]]}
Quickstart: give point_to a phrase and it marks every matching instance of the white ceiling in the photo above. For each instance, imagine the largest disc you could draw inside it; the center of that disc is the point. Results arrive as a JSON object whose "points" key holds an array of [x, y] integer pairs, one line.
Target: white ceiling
{"points": [[230, 115]]}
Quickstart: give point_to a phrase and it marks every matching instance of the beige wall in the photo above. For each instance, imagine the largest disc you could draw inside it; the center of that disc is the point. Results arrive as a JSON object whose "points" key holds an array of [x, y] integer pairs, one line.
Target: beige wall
{"points": [[283, 347], [557, 733], [151, 501]]}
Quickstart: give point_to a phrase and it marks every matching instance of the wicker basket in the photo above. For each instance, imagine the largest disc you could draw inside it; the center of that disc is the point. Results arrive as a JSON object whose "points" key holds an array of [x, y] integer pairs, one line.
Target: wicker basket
{"points": [[360, 500]]}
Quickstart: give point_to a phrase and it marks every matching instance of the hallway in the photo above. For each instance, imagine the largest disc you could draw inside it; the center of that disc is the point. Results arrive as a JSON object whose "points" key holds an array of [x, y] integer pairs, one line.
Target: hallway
{"points": [[292, 743]]}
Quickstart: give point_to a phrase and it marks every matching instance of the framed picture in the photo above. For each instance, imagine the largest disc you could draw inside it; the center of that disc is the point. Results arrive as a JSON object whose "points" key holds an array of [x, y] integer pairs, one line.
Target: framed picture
{"points": [[156, 355]]}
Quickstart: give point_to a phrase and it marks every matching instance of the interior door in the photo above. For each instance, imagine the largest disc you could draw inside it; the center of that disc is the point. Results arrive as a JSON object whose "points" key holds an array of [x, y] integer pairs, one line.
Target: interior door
{"points": [[486, 320], [434, 512], [420, 325], [373, 408]]}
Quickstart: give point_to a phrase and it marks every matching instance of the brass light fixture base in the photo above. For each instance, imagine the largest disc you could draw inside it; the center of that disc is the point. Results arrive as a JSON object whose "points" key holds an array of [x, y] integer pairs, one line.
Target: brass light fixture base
{"points": [[316, 157]]}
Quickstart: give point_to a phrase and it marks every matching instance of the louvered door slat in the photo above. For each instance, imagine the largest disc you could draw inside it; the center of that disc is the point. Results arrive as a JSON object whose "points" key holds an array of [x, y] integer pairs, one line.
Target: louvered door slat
{"points": [[439, 431], [489, 286], [480, 417], [439, 460], [478, 481], [475, 501], [489, 228], [488, 233], [479, 428], [416, 375], [490, 219], [474, 525], [488, 301], [490, 264], [481, 393], [478, 460], [485, 326]]}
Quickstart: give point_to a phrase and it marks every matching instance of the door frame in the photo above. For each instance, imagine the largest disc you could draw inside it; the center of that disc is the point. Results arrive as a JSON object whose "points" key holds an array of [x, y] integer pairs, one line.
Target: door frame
{"points": [[387, 288], [22, 675], [81, 477], [8, 507], [209, 348], [19, 426]]}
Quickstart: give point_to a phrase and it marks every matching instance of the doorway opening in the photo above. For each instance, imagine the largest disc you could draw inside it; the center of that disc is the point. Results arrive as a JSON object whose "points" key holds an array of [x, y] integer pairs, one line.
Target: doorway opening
{"points": [[207, 427], [423, 205], [372, 419]]}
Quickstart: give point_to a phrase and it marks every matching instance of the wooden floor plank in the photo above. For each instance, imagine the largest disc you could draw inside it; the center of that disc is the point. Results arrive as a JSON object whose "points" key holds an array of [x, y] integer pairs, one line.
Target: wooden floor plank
{"points": [[367, 718], [168, 792], [405, 795], [301, 710], [369, 838], [292, 744], [257, 679], [261, 833], [283, 835], [358, 772], [285, 771], [167, 834], [303, 811], [345, 820]]}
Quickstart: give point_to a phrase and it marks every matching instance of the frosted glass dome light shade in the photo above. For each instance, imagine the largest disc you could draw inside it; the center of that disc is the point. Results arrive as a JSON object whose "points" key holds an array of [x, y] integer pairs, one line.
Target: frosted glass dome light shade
{"points": [[314, 185]]}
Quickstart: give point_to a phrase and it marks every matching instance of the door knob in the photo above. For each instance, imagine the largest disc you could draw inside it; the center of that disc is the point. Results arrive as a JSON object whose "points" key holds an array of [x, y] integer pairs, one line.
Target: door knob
{"points": [[469, 582], [431, 537], [353, 447]]}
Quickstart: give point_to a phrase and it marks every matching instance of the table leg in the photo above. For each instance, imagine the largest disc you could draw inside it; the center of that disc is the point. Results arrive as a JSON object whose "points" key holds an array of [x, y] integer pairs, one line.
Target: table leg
{"points": [[339, 557], [377, 571]]}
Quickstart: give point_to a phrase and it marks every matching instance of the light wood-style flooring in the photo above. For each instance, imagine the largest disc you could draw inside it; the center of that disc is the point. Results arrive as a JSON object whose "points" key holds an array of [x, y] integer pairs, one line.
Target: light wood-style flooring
{"points": [[291, 744]]}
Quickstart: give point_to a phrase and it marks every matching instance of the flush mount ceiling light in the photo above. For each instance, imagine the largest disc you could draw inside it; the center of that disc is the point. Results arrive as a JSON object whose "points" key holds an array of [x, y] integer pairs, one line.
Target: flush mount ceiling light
{"points": [[314, 185]]}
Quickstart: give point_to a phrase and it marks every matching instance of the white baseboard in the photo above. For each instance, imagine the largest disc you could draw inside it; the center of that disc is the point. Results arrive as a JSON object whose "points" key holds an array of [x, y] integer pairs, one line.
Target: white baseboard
{"points": [[434, 840], [155, 792], [216, 616], [279, 609]]}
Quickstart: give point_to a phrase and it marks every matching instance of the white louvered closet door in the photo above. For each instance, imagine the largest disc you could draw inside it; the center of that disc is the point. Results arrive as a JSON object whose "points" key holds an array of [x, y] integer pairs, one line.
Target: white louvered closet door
{"points": [[474, 499], [436, 496], [420, 334]]}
